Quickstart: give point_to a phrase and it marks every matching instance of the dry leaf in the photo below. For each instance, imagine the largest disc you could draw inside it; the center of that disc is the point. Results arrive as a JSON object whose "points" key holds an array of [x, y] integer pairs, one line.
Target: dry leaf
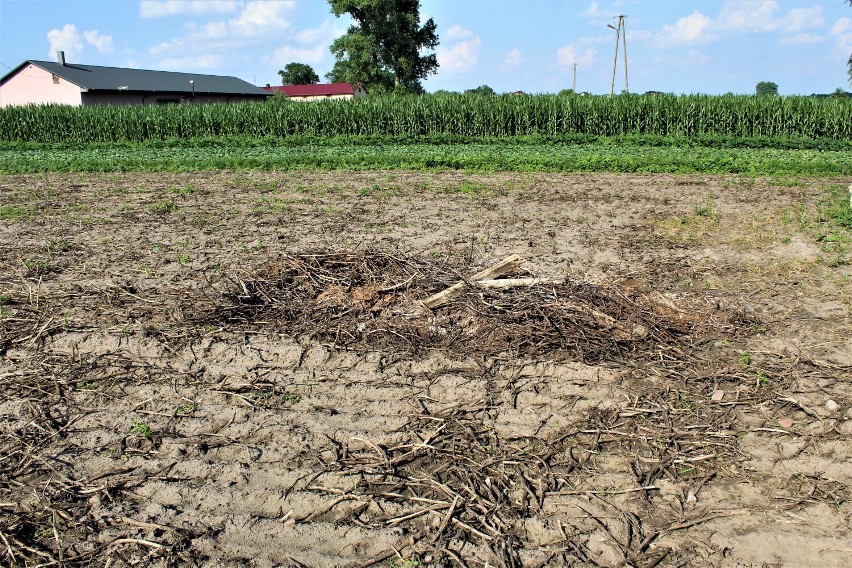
{"points": [[718, 395]]}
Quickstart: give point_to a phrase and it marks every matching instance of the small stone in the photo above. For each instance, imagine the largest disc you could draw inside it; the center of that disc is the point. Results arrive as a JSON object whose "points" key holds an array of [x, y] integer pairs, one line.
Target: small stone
{"points": [[718, 396], [831, 406], [691, 498], [785, 422]]}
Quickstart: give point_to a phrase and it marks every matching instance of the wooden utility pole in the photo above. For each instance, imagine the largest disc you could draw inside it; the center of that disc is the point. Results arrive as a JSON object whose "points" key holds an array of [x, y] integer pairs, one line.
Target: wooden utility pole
{"points": [[620, 35], [574, 85]]}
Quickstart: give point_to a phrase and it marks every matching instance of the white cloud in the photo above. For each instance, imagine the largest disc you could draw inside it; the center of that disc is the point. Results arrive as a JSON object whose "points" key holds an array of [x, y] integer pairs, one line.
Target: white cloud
{"points": [[102, 42], [513, 60], [592, 11], [257, 20], [689, 29], [259, 17], [456, 32], [192, 62], [463, 55], [760, 17], [66, 39], [326, 33], [841, 26], [803, 38], [570, 54], [312, 45], [596, 16], [748, 16], [842, 29], [800, 19], [163, 8]]}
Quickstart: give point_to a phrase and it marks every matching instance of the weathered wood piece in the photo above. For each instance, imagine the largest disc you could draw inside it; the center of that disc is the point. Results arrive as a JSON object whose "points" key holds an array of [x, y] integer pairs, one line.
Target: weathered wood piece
{"points": [[518, 282], [505, 266]]}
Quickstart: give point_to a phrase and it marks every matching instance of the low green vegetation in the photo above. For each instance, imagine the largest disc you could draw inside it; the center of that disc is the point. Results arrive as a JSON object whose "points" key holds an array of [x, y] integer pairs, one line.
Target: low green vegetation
{"points": [[612, 155], [777, 136]]}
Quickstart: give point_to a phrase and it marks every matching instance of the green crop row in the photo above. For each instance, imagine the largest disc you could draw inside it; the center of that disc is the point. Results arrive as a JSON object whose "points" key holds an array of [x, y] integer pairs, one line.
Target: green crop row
{"points": [[748, 117], [296, 140], [471, 156]]}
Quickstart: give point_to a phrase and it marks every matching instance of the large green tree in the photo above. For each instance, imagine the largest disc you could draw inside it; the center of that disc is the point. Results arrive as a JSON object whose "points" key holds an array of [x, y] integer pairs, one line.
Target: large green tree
{"points": [[766, 88], [385, 48], [298, 74], [481, 90]]}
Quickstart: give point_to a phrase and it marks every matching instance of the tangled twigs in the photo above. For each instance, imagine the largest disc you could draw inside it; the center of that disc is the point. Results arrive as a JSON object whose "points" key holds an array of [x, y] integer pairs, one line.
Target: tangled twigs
{"points": [[358, 299]]}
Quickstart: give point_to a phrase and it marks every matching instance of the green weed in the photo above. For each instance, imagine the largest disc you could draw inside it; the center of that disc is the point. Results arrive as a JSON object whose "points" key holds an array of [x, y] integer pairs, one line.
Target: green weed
{"points": [[186, 409], [707, 209], [11, 212], [163, 207], [140, 428]]}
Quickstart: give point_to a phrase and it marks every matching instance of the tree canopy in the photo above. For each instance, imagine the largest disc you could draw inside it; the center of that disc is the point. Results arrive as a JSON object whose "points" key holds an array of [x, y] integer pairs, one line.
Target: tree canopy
{"points": [[481, 90], [298, 74], [766, 88], [384, 48]]}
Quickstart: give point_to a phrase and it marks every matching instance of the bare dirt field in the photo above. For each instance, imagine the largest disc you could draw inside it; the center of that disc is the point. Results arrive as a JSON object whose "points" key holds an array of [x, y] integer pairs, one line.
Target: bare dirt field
{"points": [[237, 369]]}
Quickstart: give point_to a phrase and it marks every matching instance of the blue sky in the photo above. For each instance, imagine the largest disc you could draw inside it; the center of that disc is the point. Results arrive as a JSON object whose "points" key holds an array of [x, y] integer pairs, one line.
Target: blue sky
{"points": [[529, 45]]}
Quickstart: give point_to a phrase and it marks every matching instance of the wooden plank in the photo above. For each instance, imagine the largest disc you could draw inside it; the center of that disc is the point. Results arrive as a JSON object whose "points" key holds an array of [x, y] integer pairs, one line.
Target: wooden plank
{"points": [[518, 282], [505, 266]]}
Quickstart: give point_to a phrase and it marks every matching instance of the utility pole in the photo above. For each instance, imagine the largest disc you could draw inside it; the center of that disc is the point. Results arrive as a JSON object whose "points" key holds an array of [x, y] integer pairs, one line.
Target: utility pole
{"points": [[615, 58], [574, 85], [624, 39], [620, 35]]}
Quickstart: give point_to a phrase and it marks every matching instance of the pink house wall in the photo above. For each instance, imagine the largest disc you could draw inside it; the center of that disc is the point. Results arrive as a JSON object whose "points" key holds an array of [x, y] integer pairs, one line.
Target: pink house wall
{"points": [[34, 85]]}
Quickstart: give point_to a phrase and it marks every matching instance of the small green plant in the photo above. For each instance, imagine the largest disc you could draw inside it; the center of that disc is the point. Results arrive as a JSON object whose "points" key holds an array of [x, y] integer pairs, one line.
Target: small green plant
{"points": [[291, 397], [43, 532], [837, 208], [185, 258], [183, 190], [745, 359], [761, 379], [368, 191], [471, 188], [5, 299], [58, 246], [163, 207], [186, 409], [86, 386], [706, 210], [11, 212], [140, 428], [403, 563], [36, 266]]}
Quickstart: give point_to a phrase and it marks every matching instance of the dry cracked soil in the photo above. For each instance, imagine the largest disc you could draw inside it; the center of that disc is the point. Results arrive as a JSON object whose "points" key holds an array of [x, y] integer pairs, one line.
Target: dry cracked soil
{"points": [[237, 369]]}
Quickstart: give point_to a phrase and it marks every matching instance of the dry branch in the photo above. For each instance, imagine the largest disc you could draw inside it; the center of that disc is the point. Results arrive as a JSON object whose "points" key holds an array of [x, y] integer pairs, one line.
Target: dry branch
{"points": [[505, 266]]}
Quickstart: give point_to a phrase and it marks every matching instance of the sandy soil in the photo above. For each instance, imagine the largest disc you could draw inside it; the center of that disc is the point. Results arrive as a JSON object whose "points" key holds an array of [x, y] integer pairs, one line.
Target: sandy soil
{"points": [[151, 416]]}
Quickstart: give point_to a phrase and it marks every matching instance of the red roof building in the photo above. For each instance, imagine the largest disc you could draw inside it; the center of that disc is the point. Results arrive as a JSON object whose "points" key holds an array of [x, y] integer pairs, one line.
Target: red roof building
{"points": [[320, 91]]}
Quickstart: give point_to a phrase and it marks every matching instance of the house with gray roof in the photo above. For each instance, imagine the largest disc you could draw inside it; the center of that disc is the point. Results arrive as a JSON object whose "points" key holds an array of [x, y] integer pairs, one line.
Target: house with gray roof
{"points": [[60, 82]]}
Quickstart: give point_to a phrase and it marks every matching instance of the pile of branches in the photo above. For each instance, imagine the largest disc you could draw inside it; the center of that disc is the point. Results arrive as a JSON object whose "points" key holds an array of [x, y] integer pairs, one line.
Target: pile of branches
{"points": [[374, 300]]}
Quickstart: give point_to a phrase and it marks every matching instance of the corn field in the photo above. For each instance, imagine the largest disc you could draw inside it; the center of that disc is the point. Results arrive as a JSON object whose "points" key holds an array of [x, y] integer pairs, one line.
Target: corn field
{"points": [[465, 115]]}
